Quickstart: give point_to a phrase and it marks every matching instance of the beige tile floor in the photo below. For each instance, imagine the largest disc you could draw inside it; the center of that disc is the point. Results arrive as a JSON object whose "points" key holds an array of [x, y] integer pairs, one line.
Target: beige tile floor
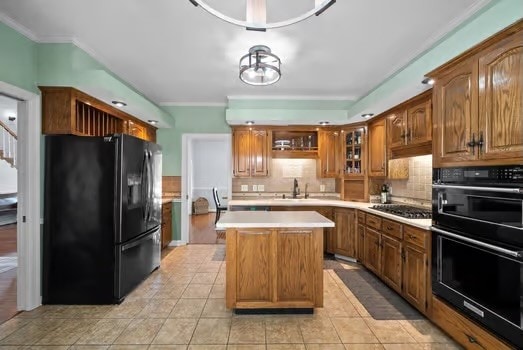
{"points": [[182, 306]]}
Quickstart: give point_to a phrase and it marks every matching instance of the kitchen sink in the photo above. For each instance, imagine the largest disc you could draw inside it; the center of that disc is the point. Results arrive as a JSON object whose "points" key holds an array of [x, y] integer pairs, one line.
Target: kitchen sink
{"points": [[296, 199]]}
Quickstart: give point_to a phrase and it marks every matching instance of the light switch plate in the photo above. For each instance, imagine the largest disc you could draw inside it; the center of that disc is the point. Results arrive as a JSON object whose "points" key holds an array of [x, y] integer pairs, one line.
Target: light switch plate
{"points": [[245, 188], [261, 188], [254, 188], [322, 188]]}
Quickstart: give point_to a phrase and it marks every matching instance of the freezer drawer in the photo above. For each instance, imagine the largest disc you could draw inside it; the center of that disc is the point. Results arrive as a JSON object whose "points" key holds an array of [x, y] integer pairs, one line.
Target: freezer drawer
{"points": [[136, 259]]}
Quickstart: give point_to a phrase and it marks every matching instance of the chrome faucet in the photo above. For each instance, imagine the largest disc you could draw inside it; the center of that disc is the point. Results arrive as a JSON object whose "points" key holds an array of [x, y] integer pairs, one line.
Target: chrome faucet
{"points": [[295, 189], [306, 193]]}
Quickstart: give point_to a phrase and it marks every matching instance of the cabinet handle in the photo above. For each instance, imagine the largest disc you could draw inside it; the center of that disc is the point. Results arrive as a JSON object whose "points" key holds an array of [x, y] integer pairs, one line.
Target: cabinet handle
{"points": [[480, 143], [473, 340], [410, 236], [472, 143], [390, 228]]}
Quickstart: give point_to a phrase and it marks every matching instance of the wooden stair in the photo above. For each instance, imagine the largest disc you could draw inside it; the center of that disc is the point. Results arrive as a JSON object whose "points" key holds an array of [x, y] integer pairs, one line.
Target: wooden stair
{"points": [[8, 145]]}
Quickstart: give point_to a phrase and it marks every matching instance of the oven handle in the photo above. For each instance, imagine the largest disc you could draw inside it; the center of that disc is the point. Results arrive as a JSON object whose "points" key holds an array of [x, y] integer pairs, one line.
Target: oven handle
{"points": [[512, 253], [475, 188]]}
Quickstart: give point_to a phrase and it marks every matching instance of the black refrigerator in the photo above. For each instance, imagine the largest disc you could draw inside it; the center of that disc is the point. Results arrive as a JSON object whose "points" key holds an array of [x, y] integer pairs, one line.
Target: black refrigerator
{"points": [[102, 217]]}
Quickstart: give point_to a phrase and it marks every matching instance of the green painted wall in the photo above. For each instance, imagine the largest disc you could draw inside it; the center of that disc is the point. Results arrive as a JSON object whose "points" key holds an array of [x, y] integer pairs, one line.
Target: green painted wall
{"points": [[17, 59], [490, 20], [188, 120]]}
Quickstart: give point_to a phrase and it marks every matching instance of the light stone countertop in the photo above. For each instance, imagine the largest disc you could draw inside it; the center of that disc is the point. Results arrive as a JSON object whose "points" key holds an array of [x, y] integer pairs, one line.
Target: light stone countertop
{"points": [[267, 219], [316, 202]]}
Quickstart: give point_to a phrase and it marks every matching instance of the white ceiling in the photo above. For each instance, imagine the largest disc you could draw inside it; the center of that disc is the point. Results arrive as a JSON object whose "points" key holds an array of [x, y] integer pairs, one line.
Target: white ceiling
{"points": [[176, 53]]}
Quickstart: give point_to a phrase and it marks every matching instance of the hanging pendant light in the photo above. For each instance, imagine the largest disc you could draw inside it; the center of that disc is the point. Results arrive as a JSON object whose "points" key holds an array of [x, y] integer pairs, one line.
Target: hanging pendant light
{"points": [[256, 14], [260, 66]]}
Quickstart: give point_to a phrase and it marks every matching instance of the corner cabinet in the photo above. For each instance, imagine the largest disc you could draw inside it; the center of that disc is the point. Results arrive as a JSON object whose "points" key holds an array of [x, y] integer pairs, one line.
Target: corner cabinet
{"points": [[328, 146], [251, 152], [377, 148], [478, 113], [66, 110]]}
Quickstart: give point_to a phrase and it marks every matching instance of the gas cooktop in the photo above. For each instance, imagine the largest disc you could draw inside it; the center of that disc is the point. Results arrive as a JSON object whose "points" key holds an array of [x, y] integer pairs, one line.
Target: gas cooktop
{"points": [[406, 211]]}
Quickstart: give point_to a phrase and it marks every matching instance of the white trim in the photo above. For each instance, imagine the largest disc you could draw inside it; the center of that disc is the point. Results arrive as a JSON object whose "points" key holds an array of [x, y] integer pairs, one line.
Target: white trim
{"points": [[28, 233], [292, 98], [10, 22], [187, 140], [193, 104], [177, 243]]}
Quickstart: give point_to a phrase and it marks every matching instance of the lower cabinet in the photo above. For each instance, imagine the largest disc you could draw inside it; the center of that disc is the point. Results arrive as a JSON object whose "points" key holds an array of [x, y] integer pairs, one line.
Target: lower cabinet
{"points": [[372, 250], [391, 254], [167, 224], [345, 237], [415, 272]]}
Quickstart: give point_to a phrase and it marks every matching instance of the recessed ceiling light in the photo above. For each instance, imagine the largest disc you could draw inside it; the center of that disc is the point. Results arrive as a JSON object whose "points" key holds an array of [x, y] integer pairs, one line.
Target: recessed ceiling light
{"points": [[324, 123], [249, 122], [153, 122], [428, 81], [367, 115], [119, 103]]}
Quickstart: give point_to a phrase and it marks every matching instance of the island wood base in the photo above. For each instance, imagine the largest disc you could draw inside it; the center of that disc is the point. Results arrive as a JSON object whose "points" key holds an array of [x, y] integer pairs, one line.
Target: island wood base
{"points": [[274, 268]]}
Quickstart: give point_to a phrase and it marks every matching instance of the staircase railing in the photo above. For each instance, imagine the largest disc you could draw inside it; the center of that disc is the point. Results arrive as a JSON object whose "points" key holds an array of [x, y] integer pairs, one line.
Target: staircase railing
{"points": [[8, 145]]}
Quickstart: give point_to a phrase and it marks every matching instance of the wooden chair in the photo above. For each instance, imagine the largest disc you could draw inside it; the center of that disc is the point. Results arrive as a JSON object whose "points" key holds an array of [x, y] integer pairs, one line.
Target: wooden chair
{"points": [[219, 207]]}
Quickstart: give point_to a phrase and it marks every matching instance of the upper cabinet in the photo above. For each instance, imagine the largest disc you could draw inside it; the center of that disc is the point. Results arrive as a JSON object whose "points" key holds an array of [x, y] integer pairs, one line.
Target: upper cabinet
{"points": [[66, 110], [478, 113], [353, 151], [410, 127], [328, 146], [251, 152], [377, 147], [294, 143]]}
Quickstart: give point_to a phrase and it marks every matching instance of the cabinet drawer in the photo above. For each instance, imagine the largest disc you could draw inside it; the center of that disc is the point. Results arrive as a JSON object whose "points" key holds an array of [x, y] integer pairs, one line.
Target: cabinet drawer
{"points": [[392, 228], [361, 216], [373, 221], [415, 236], [461, 329]]}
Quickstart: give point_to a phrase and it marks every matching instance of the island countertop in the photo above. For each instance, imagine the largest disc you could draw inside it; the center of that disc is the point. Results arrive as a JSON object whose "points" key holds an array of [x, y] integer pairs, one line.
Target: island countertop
{"points": [[270, 219]]}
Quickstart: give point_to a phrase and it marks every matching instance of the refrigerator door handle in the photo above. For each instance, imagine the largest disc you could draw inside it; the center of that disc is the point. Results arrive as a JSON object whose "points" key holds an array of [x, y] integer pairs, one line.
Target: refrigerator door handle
{"points": [[150, 178], [137, 242], [144, 184]]}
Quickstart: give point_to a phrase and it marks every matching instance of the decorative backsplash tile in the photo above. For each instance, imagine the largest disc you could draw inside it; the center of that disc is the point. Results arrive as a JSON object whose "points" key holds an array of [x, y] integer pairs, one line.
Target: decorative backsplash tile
{"points": [[171, 186], [419, 183]]}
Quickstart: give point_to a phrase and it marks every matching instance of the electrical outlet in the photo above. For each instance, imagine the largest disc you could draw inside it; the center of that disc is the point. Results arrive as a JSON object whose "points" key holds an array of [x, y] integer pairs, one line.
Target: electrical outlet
{"points": [[322, 188], [254, 188], [261, 188], [245, 188]]}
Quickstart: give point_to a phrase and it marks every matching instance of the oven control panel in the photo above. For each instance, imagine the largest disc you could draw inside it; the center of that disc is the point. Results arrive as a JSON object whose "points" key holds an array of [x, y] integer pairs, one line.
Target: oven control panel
{"points": [[497, 174]]}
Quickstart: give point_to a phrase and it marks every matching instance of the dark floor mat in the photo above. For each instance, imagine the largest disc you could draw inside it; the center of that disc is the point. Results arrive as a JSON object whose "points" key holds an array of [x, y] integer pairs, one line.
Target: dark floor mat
{"points": [[379, 300], [219, 254]]}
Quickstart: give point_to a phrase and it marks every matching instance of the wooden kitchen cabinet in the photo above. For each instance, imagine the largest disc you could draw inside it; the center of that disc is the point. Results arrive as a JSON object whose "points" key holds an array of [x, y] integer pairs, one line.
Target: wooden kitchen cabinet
{"points": [[360, 236], [397, 126], [419, 122], [167, 224], [372, 250], [415, 272], [329, 154], [251, 152], [345, 227], [66, 110], [477, 104], [391, 262], [377, 148]]}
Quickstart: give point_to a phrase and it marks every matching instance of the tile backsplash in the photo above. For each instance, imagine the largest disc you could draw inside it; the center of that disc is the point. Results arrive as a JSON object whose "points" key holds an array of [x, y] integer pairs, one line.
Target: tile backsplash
{"points": [[282, 174], [419, 183]]}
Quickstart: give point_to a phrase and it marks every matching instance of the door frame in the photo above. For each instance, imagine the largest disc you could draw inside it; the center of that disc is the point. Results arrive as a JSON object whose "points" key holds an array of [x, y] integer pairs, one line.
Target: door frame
{"points": [[28, 233], [187, 169]]}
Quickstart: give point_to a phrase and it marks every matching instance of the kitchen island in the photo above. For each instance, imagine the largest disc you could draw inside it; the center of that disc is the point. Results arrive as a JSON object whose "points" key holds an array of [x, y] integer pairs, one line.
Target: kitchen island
{"points": [[274, 260]]}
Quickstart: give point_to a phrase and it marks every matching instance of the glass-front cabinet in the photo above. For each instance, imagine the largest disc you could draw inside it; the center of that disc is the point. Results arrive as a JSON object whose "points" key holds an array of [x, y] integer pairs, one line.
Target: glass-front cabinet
{"points": [[294, 143], [354, 149]]}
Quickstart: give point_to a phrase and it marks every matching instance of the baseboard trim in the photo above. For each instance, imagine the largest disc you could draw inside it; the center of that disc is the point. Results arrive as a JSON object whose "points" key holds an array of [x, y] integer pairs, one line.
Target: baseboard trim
{"points": [[342, 257], [177, 243]]}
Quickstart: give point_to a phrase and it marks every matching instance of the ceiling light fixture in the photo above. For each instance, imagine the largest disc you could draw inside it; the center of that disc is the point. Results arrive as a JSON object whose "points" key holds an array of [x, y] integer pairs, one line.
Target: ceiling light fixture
{"points": [[153, 122], [324, 123], [256, 14], [260, 66], [367, 115], [428, 81], [249, 122], [119, 103]]}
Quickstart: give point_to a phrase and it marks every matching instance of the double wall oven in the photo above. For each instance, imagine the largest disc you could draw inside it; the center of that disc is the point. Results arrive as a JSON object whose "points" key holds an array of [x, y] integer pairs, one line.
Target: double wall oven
{"points": [[477, 260]]}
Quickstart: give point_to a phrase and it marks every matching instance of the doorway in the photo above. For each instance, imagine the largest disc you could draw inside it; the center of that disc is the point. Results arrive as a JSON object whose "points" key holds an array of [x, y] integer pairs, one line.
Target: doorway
{"points": [[206, 163], [20, 200]]}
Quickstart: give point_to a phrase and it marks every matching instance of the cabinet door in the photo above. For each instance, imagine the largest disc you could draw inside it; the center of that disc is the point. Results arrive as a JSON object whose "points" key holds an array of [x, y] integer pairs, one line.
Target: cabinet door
{"points": [[360, 239], [500, 96], [455, 114], [345, 232], [329, 153], [372, 250], [259, 146], [391, 262], [377, 148], [241, 153], [415, 276], [419, 123], [397, 128], [296, 254]]}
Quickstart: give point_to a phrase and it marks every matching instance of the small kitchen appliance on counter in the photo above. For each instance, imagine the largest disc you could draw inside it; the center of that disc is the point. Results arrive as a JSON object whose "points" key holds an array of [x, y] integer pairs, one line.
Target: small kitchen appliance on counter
{"points": [[102, 217]]}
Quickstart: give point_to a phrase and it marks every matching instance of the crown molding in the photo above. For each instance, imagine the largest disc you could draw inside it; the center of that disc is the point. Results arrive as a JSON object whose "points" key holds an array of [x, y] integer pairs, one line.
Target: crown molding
{"points": [[291, 97], [10, 22], [193, 104]]}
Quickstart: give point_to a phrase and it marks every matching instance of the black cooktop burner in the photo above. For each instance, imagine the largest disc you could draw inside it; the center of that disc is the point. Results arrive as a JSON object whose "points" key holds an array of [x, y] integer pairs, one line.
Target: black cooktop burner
{"points": [[406, 211]]}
